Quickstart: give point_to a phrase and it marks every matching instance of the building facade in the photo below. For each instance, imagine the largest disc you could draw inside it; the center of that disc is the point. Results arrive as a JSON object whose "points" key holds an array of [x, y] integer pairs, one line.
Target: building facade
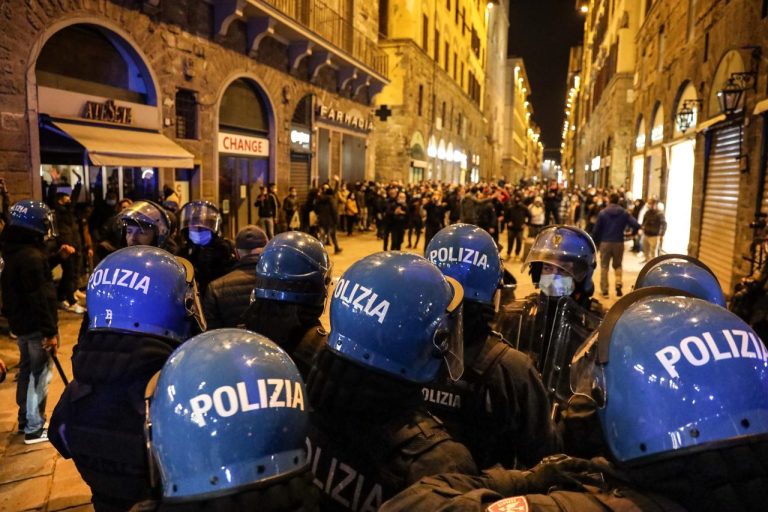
{"points": [[699, 131], [521, 149], [212, 99], [430, 121], [568, 146], [606, 92]]}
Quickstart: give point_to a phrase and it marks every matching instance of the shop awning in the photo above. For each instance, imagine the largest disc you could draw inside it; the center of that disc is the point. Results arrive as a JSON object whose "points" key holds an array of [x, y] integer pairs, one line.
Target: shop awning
{"points": [[127, 148], [710, 122], [762, 106]]}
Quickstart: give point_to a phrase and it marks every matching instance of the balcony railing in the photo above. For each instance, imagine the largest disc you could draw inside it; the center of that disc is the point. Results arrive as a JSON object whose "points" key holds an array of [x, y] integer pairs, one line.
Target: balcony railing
{"points": [[334, 28]]}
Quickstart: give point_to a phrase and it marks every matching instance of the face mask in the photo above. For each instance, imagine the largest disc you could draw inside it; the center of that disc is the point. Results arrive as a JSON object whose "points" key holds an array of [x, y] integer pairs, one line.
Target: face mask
{"points": [[111, 202], [202, 237], [555, 285]]}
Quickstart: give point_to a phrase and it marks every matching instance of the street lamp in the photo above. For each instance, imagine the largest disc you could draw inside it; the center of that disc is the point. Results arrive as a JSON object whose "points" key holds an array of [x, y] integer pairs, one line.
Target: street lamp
{"points": [[686, 116], [729, 97]]}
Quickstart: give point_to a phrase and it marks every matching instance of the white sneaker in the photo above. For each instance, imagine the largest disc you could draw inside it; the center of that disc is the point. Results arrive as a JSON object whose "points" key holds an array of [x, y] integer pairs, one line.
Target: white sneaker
{"points": [[64, 305], [77, 309], [41, 436]]}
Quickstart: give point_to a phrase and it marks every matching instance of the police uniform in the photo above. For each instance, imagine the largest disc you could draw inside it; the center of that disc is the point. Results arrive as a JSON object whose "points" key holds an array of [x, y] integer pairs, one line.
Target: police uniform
{"points": [[265, 405], [499, 408], [99, 419], [369, 439], [491, 491], [395, 322], [210, 261], [141, 304]]}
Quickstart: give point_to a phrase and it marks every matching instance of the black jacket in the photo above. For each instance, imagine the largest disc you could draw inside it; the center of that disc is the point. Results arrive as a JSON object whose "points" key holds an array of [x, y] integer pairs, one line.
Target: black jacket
{"points": [[29, 296], [227, 297], [99, 420], [516, 216], [211, 261]]}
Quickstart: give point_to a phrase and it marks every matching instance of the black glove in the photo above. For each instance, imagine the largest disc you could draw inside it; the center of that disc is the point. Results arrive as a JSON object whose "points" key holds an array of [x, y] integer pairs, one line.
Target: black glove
{"points": [[556, 471], [560, 471]]}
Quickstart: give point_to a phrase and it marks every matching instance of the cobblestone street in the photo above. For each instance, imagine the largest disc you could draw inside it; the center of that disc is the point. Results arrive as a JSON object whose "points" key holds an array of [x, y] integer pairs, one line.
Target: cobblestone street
{"points": [[35, 477]]}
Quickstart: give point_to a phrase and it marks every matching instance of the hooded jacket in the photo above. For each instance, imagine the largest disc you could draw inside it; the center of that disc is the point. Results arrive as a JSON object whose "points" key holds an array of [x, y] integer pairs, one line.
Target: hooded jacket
{"points": [[611, 223]]}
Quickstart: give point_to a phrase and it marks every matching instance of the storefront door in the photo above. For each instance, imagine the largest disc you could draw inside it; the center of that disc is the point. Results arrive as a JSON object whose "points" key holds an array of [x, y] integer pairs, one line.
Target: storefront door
{"points": [[638, 177], [240, 182], [679, 198]]}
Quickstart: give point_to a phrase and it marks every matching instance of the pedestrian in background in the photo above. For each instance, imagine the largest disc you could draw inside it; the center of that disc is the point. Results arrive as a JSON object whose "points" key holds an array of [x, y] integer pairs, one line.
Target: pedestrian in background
{"points": [[516, 216], [291, 209], [268, 205], [537, 216], [351, 211], [654, 226], [608, 235]]}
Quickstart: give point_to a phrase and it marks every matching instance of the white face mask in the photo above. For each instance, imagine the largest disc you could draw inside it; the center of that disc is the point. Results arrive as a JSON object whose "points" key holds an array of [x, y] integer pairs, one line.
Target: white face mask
{"points": [[556, 285]]}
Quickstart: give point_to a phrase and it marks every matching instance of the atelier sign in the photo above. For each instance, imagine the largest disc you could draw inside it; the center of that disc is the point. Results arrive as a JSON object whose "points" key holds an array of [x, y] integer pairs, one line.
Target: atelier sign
{"points": [[108, 112], [345, 118]]}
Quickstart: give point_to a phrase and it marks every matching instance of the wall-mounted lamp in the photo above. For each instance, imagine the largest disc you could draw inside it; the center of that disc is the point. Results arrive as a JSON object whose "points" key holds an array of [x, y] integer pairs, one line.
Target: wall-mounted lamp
{"points": [[730, 96], [687, 114]]}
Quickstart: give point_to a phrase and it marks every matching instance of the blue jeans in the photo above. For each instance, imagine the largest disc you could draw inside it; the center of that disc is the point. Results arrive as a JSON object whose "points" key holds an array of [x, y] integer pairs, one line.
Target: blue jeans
{"points": [[34, 376], [268, 224]]}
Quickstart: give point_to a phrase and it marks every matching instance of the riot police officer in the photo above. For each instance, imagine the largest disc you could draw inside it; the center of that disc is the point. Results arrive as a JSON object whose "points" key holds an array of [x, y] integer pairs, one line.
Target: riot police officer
{"points": [[550, 325], [292, 279], [227, 427], [394, 323], [142, 303], [499, 408], [680, 386], [211, 254], [147, 223], [579, 426], [682, 272]]}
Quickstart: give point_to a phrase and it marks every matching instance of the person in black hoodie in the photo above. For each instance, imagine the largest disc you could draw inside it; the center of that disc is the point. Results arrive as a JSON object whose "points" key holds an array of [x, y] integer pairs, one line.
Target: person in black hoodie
{"points": [[69, 237], [516, 216], [142, 304], [29, 303]]}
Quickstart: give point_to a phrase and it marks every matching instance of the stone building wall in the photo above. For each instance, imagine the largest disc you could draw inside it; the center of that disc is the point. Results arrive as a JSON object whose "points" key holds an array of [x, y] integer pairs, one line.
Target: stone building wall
{"points": [[393, 136], [176, 43]]}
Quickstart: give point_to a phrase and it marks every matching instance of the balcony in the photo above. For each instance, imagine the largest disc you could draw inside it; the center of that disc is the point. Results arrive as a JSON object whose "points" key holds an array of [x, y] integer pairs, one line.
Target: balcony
{"points": [[310, 29]]}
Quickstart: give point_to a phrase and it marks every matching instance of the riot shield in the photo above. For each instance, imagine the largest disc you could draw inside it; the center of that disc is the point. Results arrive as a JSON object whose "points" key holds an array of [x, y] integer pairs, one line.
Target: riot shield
{"points": [[572, 325]]}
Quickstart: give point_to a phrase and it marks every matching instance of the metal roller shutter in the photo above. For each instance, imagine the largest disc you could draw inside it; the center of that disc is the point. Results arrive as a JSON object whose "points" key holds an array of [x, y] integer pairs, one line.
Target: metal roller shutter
{"points": [[300, 175], [721, 199]]}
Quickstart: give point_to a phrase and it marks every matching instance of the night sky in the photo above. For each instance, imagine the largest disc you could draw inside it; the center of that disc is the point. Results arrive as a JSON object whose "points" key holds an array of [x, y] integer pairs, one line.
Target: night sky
{"points": [[542, 32]]}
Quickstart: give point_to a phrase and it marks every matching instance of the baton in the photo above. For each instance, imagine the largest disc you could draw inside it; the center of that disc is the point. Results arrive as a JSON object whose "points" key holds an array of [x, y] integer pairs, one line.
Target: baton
{"points": [[60, 369]]}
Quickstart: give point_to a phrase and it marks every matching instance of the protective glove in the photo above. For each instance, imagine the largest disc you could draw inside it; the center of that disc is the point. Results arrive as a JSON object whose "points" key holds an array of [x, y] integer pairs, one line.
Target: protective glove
{"points": [[556, 471]]}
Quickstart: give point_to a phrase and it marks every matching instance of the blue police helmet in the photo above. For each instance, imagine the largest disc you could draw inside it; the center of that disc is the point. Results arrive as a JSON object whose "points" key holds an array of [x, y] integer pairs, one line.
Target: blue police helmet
{"points": [[684, 273], [149, 215], [293, 267], [394, 312], [469, 255], [671, 374], [146, 290], [565, 247], [34, 216], [228, 412]]}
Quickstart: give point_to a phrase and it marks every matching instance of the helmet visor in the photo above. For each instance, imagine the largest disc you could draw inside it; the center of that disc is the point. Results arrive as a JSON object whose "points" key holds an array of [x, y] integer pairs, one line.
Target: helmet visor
{"points": [[449, 335], [200, 215], [587, 375], [145, 215]]}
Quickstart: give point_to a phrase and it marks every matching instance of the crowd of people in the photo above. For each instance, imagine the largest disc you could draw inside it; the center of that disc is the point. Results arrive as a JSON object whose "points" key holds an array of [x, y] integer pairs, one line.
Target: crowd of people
{"points": [[204, 379]]}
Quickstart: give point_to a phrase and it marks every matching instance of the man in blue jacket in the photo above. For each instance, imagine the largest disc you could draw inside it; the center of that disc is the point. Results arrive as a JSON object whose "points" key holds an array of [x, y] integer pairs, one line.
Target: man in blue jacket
{"points": [[608, 235]]}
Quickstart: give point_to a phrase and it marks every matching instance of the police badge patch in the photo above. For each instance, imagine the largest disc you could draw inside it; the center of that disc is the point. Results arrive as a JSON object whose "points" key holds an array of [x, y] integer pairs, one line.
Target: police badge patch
{"points": [[516, 504], [557, 239]]}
